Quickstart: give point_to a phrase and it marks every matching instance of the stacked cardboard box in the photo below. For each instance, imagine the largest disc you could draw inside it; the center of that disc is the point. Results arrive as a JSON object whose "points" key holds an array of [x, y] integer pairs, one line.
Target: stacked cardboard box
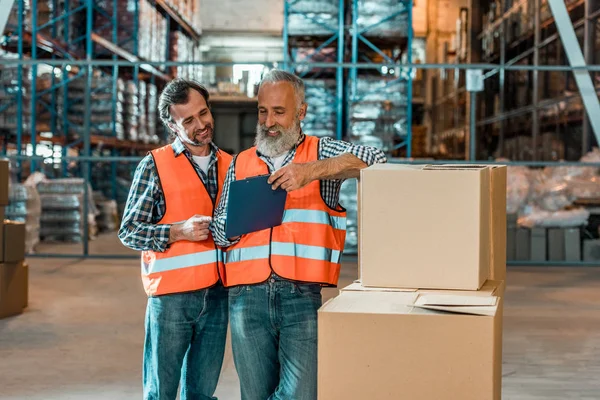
{"points": [[425, 319], [13, 270]]}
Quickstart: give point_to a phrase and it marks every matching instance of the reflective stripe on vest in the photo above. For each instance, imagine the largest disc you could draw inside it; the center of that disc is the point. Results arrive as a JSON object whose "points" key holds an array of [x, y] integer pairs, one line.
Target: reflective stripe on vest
{"points": [[184, 261], [283, 249], [315, 217]]}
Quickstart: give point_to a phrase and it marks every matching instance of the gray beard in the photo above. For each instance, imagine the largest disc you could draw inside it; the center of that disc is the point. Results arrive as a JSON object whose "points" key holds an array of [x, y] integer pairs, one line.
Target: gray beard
{"points": [[279, 145]]}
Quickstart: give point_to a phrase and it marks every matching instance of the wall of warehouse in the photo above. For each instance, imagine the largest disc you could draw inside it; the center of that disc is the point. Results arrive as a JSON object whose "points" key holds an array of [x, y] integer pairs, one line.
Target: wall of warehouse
{"points": [[267, 16], [242, 15]]}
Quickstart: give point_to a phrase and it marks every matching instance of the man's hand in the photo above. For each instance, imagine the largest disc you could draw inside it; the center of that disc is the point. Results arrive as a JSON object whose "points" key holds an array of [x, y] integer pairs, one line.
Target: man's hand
{"points": [[291, 177], [194, 229]]}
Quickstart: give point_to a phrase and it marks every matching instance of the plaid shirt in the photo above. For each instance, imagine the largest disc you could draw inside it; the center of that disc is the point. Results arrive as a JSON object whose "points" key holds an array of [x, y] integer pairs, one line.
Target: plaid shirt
{"points": [[330, 189], [146, 203]]}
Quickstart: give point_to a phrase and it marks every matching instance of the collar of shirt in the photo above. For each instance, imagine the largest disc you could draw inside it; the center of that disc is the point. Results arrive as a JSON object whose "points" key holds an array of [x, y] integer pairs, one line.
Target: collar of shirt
{"points": [[179, 147], [290, 153]]}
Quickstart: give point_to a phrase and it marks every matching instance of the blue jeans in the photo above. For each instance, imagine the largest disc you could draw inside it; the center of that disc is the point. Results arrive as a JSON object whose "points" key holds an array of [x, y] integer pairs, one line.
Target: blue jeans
{"points": [[185, 341], [274, 339]]}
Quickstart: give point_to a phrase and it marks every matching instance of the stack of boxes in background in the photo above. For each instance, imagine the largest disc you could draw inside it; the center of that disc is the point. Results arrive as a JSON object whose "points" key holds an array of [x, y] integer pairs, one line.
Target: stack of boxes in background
{"points": [[378, 114], [320, 117], [13, 270], [125, 16], [324, 17], [185, 49], [425, 319], [152, 36]]}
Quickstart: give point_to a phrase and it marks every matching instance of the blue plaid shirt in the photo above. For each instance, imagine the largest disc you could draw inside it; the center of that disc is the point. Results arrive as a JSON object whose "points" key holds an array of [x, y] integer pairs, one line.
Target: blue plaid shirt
{"points": [[145, 205], [330, 189]]}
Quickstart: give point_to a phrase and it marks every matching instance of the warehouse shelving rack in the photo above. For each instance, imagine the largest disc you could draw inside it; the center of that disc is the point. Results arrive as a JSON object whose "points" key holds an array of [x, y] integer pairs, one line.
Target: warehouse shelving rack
{"points": [[353, 43], [331, 38], [369, 47], [510, 114], [40, 42]]}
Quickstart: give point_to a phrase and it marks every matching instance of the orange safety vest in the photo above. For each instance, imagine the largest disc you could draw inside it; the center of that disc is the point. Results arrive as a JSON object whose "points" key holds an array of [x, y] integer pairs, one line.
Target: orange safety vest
{"points": [[184, 266], [306, 247]]}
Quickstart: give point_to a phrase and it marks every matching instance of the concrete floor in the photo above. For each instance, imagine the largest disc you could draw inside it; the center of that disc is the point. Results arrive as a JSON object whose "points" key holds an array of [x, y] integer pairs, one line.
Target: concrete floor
{"points": [[82, 335]]}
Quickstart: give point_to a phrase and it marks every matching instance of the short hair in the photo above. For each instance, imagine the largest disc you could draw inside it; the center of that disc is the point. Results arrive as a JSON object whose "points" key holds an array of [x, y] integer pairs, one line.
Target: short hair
{"points": [[277, 75], [176, 92]]}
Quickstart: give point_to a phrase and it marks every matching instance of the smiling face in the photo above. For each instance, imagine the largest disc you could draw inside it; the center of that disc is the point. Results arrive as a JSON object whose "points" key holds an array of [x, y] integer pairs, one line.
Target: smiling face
{"points": [[279, 116], [193, 123]]}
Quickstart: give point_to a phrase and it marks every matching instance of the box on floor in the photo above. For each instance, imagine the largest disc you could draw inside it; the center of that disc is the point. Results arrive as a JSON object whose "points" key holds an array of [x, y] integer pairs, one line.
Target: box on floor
{"points": [[14, 287], [14, 241], [4, 167], [419, 344], [439, 227]]}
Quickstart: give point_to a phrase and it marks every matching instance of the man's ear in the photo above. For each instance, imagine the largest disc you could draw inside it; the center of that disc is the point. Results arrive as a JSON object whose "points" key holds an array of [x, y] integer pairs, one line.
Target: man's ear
{"points": [[302, 111], [172, 127]]}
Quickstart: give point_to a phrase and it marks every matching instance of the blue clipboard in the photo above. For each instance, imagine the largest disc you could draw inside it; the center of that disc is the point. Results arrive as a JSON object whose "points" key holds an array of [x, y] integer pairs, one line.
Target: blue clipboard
{"points": [[253, 206]]}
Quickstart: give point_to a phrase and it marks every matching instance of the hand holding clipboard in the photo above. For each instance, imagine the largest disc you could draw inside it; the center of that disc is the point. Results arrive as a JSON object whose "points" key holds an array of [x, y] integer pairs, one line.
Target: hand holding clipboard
{"points": [[253, 205]]}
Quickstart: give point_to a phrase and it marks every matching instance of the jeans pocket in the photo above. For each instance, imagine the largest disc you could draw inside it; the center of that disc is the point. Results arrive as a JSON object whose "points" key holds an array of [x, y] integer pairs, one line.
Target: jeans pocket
{"points": [[308, 289]]}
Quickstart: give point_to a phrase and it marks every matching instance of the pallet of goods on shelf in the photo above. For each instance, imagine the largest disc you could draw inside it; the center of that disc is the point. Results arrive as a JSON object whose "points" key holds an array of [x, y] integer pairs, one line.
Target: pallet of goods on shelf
{"points": [[24, 206], [101, 106], [373, 12], [551, 212], [107, 218], [131, 110], [185, 49], [152, 113], [378, 111], [124, 23], [9, 90], [62, 210], [321, 113], [314, 17], [152, 33]]}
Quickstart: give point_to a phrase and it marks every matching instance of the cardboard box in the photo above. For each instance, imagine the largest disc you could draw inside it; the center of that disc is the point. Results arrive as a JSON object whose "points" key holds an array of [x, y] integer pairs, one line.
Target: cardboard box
{"points": [[2, 214], [14, 282], [498, 222], [425, 226], [416, 345], [4, 182], [14, 241]]}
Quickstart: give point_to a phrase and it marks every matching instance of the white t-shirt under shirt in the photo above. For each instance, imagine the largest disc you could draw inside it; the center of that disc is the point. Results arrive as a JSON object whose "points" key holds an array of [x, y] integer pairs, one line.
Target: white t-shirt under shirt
{"points": [[278, 161], [202, 162]]}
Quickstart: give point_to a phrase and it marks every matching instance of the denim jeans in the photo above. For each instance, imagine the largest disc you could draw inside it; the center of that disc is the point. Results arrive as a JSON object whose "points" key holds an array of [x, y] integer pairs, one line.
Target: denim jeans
{"points": [[185, 341], [274, 339]]}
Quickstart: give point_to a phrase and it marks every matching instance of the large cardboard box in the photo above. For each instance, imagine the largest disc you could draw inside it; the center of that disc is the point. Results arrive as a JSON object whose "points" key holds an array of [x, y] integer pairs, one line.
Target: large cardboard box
{"points": [[14, 241], [498, 222], [2, 214], [14, 282], [4, 182], [426, 226], [418, 345]]}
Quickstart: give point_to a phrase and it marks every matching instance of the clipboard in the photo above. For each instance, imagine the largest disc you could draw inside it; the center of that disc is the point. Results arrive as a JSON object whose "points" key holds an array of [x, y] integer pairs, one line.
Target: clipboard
{"points": [[253, 206]]}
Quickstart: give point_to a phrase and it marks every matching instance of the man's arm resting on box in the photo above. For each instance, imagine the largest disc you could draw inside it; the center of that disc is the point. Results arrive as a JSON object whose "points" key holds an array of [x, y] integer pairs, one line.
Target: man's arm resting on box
{"points": [[338, 160]]}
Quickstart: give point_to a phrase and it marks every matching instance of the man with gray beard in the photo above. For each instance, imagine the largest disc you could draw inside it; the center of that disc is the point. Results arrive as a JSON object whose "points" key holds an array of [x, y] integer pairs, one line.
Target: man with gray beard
{"points": [[275, 275]]}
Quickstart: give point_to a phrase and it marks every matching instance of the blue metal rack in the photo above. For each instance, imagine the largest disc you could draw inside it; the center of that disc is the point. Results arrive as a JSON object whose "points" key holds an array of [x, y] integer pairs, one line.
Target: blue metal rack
{"points": [[330, 34], [378, 43], [55, 36]]}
